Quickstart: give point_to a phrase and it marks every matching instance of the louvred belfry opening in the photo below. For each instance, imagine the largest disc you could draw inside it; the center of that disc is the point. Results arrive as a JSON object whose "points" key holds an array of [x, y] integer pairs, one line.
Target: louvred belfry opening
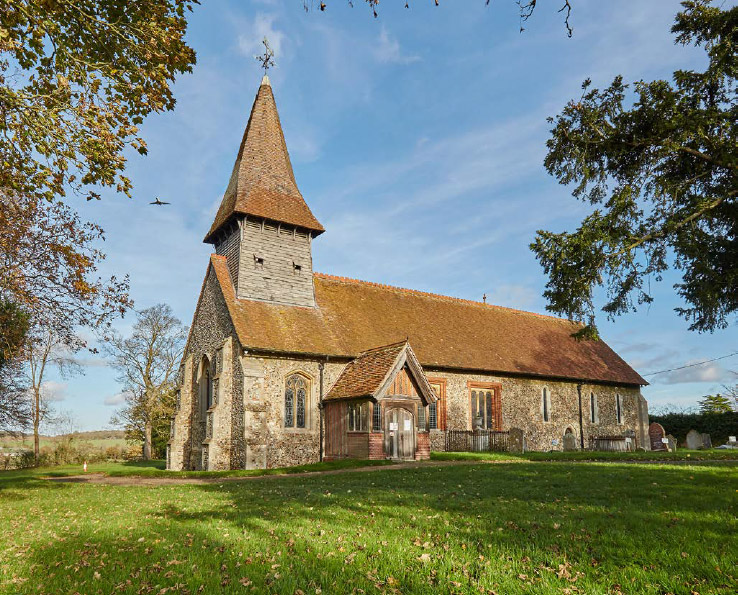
{"points": [[262, 183], [263, 227]]}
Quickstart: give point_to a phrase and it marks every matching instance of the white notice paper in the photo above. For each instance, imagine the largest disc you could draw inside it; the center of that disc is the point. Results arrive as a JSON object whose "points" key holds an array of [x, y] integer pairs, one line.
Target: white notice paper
{"points": [[665, 440], [393, 426], [408, 425], [732, 439], [555, 442]]}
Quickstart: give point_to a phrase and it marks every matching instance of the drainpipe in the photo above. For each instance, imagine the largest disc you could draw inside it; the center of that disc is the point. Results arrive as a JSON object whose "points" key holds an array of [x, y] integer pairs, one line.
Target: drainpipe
{"points": [[581, 424], [321, 367]]}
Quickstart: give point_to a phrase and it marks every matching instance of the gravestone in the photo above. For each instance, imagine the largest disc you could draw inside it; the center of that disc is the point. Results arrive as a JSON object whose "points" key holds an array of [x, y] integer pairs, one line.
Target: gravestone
{"points": [[671, 443], [655, 434], [570, 441], [706, 441], [694, 440], [516, 440]]}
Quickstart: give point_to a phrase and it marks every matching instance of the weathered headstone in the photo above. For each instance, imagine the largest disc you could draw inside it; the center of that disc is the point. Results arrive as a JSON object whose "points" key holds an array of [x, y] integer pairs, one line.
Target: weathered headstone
{"points": [[694, 440], [516, 440], [570, 441], [671, 443], [655, 434], [706, 441]]}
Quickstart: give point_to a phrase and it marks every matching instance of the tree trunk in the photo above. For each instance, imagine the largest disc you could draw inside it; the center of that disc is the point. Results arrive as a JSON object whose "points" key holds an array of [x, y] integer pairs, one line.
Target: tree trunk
{"points": [[36, 424], [147, 441]]}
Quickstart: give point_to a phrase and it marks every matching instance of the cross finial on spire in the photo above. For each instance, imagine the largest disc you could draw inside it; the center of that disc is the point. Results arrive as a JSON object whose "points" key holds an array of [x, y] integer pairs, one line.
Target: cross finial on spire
{"points": [[267, 58]]}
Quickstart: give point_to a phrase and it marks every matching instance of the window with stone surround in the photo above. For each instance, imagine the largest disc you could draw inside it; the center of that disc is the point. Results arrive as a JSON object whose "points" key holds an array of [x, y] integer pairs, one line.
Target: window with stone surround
{"points": [[485, 405], [594, 409], [619, 408], [296, 403], [546, 404], [358, 417], [207, 371]]}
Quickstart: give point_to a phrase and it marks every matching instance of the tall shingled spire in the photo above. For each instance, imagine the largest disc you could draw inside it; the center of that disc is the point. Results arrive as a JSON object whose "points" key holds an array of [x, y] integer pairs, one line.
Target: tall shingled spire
{"points": [[262, 183]]}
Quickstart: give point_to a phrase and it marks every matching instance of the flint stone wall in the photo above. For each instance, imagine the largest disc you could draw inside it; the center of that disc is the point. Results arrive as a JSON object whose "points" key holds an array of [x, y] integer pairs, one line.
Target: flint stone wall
{"points": [[211, 330], [521, 400]]}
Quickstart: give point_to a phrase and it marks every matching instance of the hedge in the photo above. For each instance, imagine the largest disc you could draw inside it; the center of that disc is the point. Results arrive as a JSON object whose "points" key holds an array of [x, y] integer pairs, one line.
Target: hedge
{"points": [[718, 425]]}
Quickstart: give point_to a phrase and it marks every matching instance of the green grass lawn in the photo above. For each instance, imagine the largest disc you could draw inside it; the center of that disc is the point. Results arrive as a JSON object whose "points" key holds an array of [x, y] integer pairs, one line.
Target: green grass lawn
{"points": [[527, 527], [586, 455]]}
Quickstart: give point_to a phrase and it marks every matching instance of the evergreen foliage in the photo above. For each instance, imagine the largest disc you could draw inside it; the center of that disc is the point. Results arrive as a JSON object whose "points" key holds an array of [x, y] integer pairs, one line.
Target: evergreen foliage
{"points": [[719, 425], [658, 161]]}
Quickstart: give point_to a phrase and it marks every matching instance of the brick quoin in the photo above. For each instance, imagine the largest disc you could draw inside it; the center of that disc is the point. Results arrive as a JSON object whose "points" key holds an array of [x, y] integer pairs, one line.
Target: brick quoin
{"points": [[422, 453]]}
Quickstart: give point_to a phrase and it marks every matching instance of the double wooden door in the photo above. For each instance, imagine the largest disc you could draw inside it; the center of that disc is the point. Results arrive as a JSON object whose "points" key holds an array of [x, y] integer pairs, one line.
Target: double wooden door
{"points": [[399, 434]]}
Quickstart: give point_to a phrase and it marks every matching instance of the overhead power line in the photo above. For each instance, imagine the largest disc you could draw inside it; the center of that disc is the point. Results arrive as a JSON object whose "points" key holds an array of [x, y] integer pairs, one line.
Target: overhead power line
{"points": [[707, 361]]}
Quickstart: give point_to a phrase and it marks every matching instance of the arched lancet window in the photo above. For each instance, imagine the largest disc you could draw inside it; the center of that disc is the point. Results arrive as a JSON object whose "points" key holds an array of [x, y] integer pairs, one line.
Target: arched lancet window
{"points": [[206, 384], [546, 404], [619, 408], [295, 402], [594, 415]]}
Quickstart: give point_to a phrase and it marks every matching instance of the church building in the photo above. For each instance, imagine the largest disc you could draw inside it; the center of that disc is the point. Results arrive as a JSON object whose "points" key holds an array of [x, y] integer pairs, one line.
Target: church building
{"points": [[285, 366]]}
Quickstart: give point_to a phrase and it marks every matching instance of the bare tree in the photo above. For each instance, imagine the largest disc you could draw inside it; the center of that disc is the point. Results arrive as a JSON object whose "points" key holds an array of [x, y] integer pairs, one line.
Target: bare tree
{"points": [[147, 362], [46, 350]]}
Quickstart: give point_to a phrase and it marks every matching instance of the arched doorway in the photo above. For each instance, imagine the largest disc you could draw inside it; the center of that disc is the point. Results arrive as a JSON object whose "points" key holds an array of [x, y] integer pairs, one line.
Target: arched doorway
{"points": [[399, 434]]}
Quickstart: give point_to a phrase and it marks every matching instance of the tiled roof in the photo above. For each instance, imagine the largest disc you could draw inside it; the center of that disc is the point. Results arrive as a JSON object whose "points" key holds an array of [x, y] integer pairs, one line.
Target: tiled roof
{"points": [[262, 183], [353, 316], [365, 375]]}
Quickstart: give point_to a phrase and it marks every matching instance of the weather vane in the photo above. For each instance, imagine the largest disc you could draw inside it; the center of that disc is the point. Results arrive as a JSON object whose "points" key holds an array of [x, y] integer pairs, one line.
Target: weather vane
{"points": [[267, 59]]}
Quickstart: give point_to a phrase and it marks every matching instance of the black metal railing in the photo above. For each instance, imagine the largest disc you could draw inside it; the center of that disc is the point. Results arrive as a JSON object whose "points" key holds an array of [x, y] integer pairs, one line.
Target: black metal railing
{"points": [[476, 441]]}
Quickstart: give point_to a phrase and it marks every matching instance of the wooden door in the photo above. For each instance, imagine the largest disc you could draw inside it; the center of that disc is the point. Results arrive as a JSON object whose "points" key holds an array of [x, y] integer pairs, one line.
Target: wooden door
{"points": [[399, 434]]}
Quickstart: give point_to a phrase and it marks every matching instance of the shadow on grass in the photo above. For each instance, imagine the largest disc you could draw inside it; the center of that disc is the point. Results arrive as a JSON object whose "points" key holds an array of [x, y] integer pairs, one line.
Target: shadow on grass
{"points": [[507, 528]]}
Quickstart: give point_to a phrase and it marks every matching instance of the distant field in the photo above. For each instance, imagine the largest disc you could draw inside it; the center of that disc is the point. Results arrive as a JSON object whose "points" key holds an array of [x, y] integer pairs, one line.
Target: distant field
{"points": [[98, 439]]}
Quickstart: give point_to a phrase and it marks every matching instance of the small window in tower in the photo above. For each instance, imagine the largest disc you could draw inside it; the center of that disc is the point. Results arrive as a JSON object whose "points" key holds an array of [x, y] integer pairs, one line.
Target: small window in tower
{"points": [[258, 262], [296, 268]]}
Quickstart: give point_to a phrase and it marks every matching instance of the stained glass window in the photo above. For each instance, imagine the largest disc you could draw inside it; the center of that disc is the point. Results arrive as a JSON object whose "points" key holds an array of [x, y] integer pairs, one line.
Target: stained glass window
{"points": [[300, 403], [289, 404], [296, 402]]}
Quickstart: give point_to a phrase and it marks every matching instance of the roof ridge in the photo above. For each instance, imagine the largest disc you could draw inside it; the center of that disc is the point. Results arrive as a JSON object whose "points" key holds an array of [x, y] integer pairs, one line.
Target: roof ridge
{"points": [[436, 295], [395, 344]]}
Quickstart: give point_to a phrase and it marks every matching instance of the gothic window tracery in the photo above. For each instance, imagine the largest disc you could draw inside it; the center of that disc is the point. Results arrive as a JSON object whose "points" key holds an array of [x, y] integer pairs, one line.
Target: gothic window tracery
{"points": [[295, 401]]}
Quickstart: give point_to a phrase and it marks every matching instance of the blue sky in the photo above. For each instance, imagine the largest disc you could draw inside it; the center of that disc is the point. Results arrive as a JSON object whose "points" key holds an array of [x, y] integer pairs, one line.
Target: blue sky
{"points": [[417, 139]]}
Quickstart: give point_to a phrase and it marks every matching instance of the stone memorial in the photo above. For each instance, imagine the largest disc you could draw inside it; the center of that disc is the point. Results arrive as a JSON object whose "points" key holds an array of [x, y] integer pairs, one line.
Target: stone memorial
{"points": [[706, 441], [516, 440], [694, 440], [569, 441], [656, 433], [671, 443]]}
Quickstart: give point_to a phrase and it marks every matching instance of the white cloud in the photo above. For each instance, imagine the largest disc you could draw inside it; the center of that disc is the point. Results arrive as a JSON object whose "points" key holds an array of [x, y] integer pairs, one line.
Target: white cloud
{"points": [[115, 400], [54, 391], [705, 373], [387, 50], [263, 26]]}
